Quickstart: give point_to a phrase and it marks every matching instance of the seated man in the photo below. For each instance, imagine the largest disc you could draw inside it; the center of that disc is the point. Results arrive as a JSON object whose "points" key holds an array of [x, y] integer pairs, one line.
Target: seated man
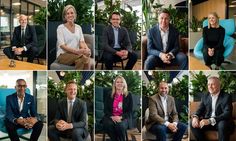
{"points": [[21, 113], [163, 45], [24, 41], [163, 117], [70, 120], [214, 113], [117, 44]]}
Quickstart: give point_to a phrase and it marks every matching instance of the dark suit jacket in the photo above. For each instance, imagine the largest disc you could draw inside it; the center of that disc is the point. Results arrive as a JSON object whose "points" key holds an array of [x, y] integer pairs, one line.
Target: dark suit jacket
{"points": [[109, 39], [223, 107], [154, 44], [127, 108], [156, 112], [30, 37], [12, 107], [79, 113]]}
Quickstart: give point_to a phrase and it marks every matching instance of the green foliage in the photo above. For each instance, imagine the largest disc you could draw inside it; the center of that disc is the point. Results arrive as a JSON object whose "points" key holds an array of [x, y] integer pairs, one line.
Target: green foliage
{"points": [[83, 9], [195, 24], [40, 17], [199, 83], [179, 90], [106, 78], [228, 81], [3, 86], [149, 89], [161, 76]]}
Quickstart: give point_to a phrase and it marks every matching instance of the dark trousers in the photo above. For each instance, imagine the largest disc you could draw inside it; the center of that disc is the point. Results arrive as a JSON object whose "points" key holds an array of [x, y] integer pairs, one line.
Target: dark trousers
{"points": [[30, 53], [161, 131], [217, 58], [109, 59], [116, 131], [11, 129], [153, 61], [223, 128], [76, 134]]}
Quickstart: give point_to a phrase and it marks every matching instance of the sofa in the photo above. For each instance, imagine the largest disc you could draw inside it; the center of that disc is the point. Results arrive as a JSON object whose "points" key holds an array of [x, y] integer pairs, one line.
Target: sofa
{"points": [[213, 135]]}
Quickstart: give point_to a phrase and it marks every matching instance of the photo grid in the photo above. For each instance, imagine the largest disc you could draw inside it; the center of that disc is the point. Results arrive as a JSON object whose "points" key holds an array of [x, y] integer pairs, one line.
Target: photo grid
{"points": [[117, 70]]}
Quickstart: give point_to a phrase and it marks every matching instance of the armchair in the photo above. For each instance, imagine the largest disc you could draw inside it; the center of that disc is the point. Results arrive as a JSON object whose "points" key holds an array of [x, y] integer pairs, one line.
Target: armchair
{"points": [[229, 42]]}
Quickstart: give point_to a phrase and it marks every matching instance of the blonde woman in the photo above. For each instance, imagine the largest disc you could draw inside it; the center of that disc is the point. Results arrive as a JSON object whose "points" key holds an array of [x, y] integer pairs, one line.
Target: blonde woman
{"points": [[213, 38], [118, 110], [71, 47]]}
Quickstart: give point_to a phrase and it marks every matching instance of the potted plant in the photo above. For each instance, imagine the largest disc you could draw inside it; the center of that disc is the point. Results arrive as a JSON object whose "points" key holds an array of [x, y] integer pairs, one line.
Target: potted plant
{"points": [[40, 17]]}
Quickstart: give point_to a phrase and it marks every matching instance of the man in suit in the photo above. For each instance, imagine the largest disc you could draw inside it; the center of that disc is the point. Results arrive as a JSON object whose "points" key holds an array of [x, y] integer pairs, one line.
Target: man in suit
{"points": [[24, 41], [70, 119], [163, 45], [21, 113], [214, 113], [117, 45], [163, 117]]}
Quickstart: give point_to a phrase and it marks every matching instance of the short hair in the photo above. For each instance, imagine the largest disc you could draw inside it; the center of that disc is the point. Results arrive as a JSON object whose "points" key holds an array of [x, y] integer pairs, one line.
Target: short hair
{"points": [[66, 8], [217, 19], [164, 10], [163, 82], [214, 78], [18, 80], [22, 15], [114, 13], [70, 82]]}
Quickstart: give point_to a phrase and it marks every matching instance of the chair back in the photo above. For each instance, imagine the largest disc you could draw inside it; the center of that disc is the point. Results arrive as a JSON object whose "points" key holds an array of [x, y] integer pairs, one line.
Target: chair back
{"points": [[41, 37], [227, 24]]}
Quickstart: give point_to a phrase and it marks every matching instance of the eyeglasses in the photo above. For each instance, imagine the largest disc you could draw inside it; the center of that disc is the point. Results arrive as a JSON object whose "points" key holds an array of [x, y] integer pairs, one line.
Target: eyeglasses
{"points": [[22, 86], [116, 19]]}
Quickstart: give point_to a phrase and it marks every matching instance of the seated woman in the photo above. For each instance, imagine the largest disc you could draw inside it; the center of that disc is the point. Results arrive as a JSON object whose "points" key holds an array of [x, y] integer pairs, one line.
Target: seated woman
{"points": [[72, 48], [118, 110], [213, 38]]}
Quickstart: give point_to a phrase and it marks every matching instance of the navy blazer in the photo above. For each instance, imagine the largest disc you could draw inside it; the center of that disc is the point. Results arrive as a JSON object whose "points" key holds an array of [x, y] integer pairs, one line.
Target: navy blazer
{"points": [[12, 107], [30, 37], [79, 113], [109, 39], [223, 107], [154, 42]]}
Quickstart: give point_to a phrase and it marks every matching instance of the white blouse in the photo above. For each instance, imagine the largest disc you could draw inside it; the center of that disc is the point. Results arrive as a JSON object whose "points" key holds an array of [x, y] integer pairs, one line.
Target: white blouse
{"points": [[66, 37]]}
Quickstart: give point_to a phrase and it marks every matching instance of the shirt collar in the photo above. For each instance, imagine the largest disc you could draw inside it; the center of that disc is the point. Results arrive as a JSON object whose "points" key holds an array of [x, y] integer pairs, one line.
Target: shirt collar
{"points": [[163, 97], [163, 30], [215, 95], [116, 28], [68, 101]]}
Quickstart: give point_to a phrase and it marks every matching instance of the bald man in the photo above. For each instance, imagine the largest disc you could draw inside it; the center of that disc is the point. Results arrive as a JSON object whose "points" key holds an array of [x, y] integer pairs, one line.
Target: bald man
{"points": [[214, 113], [24, 41]]}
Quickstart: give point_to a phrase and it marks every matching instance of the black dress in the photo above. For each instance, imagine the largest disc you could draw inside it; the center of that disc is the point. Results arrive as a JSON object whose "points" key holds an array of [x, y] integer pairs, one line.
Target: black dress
{"points": [[213, 38]]}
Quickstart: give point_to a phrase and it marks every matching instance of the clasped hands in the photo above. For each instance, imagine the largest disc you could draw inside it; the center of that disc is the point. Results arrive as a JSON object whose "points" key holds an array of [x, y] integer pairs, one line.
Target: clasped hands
{"points": [[61, 125], [84, 51], [166, 57], [123, 54], [116, 119], [172, 127], [199, 124], [211, 51], [27, 122], [18, 51]]}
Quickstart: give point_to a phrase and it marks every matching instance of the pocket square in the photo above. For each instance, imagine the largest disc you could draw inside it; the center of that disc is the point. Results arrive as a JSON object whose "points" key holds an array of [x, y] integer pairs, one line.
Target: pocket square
{"points": [[28, 102]]}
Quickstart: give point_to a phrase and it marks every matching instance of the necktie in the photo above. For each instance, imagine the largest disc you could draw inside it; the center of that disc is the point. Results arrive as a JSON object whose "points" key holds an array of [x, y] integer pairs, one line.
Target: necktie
{"points": [[70, 111], [22, 37]]}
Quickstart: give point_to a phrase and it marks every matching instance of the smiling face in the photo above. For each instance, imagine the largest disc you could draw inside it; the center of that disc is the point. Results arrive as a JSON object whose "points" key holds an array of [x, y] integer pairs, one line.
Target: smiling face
{"points": [[115, 20], [164, 20], [213, 86], [212, 20], [20, 87], [23, 20], [70, 15], [71, 91], [163, 88], [119, 84]]}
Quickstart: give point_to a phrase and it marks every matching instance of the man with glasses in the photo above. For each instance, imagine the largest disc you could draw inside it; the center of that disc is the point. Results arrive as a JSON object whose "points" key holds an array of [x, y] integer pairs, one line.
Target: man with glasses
{"points": [[117, 45], [21, 113], [24, 41]]}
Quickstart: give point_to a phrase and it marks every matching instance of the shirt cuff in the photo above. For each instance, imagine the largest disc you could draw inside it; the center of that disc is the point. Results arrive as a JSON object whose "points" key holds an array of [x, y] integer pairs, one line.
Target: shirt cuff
{"points": [[195, 116], [24, 47], [167, 123], [212, 121], [172, 55], [175, 123], [13, 48]]}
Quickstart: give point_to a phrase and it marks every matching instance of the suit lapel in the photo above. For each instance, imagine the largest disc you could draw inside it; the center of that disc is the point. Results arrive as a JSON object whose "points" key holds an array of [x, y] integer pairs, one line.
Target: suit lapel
{"points": [[168, 105], [218, 101], [169, 37], [160, 103], [65, 108], [158, 38], [16, 102]]}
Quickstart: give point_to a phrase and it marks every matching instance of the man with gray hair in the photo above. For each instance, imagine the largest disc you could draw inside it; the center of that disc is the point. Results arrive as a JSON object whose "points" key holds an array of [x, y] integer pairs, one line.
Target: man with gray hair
{"points": [[214, 112], [24, 41]]}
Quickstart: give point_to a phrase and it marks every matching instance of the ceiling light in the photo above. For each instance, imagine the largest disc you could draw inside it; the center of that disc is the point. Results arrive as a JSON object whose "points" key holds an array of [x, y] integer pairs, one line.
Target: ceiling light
{"points": [[16, 3]]}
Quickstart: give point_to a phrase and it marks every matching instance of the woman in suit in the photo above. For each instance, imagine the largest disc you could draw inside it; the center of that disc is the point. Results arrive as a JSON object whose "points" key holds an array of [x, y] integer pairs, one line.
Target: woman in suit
{"points": [[213, 38], [118, 110], [72, 48]]}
